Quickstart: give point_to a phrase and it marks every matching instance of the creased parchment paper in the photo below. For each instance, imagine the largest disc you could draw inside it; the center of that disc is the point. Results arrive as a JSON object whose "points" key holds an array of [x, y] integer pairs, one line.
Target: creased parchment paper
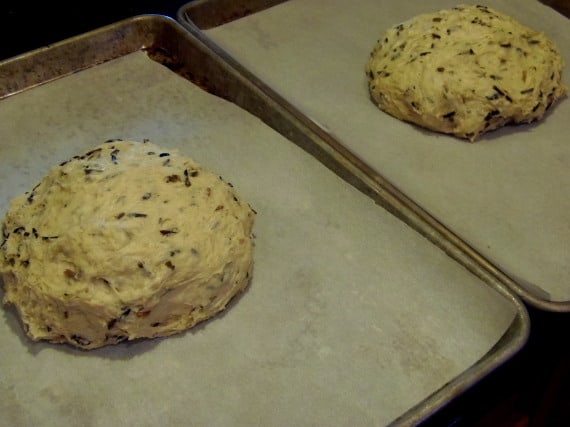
{"points": [[351, 317], [507, 195]]}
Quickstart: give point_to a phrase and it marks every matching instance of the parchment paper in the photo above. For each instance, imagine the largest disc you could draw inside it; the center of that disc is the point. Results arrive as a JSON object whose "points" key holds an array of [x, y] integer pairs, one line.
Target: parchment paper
{"points": [[351, 317], [507, 195]]}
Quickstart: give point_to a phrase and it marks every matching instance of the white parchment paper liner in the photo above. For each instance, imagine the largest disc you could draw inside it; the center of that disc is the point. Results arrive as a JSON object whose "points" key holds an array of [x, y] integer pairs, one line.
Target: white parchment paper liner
{"points": [[351, 319], [506, 195]]}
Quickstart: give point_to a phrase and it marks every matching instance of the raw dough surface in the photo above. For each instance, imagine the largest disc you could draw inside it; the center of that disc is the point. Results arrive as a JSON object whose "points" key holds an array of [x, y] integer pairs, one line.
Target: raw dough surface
{"points": [[123, 242], [465, 71]]}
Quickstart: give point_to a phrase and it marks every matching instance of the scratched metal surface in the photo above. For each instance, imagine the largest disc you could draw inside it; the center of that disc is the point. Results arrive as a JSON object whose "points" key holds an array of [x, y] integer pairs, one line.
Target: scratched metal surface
{"points": [[352, 316], [503, 199]]}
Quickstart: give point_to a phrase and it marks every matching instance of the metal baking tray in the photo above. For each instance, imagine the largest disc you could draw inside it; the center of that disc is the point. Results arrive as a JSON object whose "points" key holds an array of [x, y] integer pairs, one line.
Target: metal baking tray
{"points": [[342, 306], [388, 150]]}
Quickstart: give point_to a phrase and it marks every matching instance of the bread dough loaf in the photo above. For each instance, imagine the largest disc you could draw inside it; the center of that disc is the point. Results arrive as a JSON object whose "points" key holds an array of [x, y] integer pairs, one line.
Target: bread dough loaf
{"points": [[123, 242], [465, 71]]}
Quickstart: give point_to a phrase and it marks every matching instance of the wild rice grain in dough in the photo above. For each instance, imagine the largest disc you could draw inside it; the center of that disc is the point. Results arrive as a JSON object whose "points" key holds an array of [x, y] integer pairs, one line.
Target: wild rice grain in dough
{"points": [[465, 71], [123, 242]]}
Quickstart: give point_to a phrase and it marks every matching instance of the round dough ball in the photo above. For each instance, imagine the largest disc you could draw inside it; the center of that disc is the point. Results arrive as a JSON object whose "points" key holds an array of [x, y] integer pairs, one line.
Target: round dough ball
{"points": [[123, 242], [465, 71]]}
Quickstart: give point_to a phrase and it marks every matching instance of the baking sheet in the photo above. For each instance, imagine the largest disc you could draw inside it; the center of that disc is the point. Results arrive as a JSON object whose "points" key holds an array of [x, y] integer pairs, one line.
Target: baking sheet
{"points": [[506, 195], [351, 318]]}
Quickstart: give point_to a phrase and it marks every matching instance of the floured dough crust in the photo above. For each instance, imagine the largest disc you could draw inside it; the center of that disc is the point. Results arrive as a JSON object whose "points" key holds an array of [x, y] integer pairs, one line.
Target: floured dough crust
{"points": [[123, 242], [465, 71]]}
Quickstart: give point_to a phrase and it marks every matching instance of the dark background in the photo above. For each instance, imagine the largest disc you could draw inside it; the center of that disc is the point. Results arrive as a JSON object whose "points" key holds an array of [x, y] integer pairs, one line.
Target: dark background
{"points": [[530, 390], [27, 25]]}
